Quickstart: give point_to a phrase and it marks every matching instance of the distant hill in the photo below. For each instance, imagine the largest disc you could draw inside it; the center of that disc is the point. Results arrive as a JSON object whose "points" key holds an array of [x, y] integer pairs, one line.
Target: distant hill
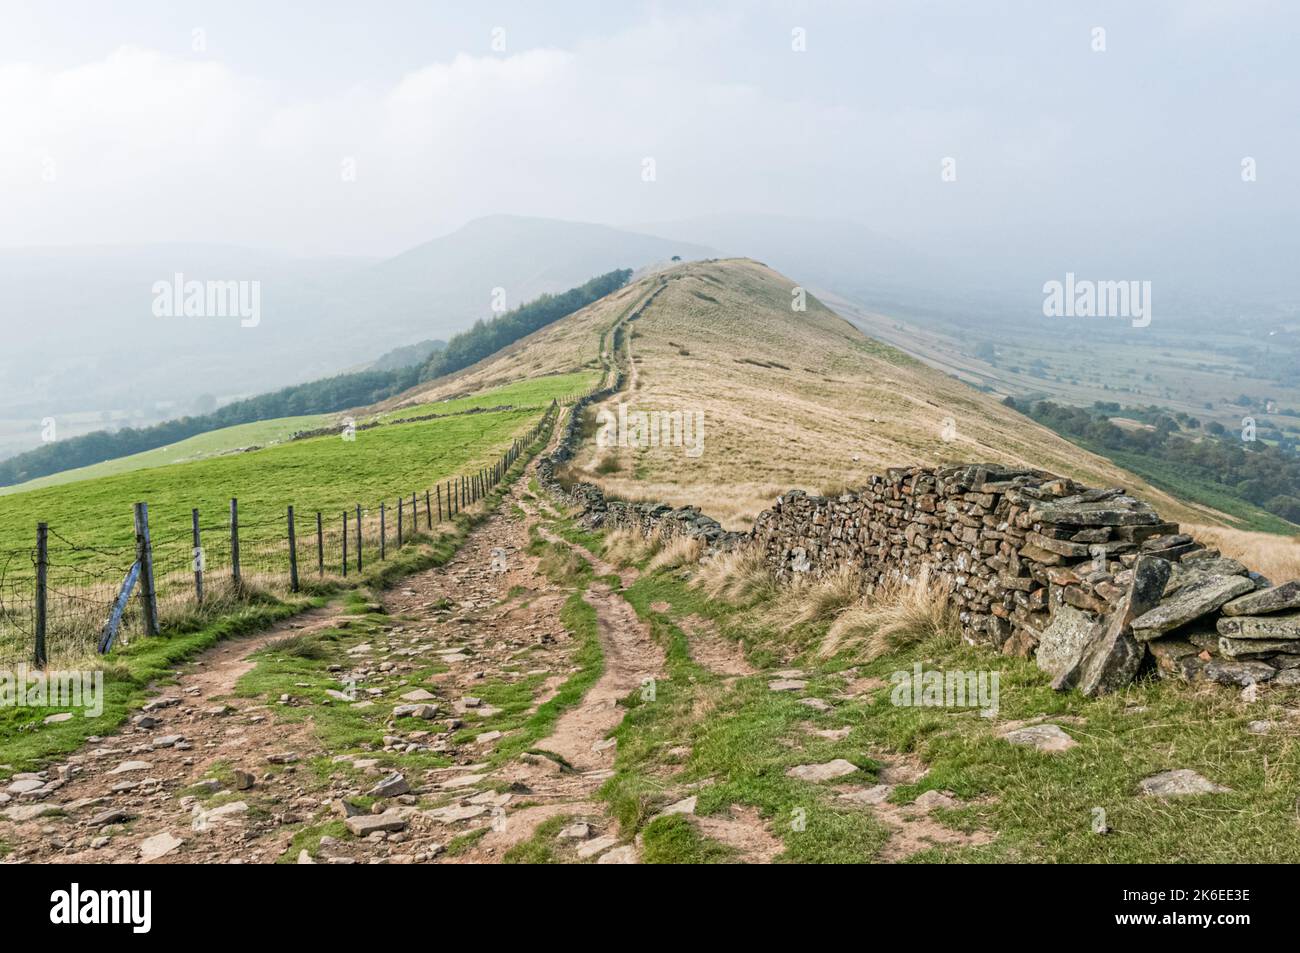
{"points": [[87, 349]]}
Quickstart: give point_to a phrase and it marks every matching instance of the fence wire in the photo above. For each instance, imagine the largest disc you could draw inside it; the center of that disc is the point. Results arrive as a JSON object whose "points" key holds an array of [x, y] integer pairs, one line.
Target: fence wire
{"points": [[84, 581]]}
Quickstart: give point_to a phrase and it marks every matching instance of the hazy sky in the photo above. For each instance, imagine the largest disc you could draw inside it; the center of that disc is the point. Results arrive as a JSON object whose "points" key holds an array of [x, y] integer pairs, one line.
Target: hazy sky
{"points": [[114, 128]]}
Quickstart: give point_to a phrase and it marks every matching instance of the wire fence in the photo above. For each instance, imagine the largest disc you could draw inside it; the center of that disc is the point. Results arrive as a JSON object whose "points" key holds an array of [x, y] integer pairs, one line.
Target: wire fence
{"points": [[62, 599]]}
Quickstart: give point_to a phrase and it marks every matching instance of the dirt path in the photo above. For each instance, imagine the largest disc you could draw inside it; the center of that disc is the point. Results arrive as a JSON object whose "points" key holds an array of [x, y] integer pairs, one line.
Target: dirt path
{"points": [[104, 800], [203, 776]]}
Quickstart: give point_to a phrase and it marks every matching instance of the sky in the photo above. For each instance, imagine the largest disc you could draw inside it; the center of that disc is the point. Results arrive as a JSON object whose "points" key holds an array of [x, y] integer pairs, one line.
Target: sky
{"points": [[339, 128]]}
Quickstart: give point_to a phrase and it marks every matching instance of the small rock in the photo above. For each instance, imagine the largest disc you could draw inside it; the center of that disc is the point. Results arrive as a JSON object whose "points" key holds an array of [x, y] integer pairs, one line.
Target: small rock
{"points": [[1179, 783], [935, 799], [1050, 739], [619, 855], [391, 786], [578, 831], [822, 772], [596, 845], [868, 796]]}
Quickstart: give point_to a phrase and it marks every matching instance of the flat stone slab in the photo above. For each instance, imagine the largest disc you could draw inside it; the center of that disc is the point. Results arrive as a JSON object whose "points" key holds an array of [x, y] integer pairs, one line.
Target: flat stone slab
{"points": [[829, 771], [363, 825], [1050, 739], [1181, 782], [454, 813], [1278, 599], [126, 766], [159, 845], [877, 794], [24, 786], [1242, 674], [391, 786], [1188, 604], [787, 685], [425, 712], [816, 704], [1272, 627], [464, 781], [596, 845], [1251, 648], [419, 695], [684, 806], [619, 855]]}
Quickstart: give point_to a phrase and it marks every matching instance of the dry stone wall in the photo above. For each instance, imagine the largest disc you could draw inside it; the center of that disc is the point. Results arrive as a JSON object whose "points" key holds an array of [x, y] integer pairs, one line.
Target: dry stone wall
{"points": [[1091, 582]]}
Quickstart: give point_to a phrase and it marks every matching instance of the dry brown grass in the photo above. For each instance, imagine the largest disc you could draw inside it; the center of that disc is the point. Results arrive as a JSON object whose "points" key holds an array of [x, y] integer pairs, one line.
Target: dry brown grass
{"points": [[1277, 557], [675, 553], [896, 615], [625, 546], [802, 399], [738, 577], [816, 600]]}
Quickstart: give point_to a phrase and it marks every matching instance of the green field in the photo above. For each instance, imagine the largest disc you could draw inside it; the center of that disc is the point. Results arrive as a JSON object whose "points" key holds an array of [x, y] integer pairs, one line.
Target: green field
{"points": [[535, 392], [259, 434], [322, 473]]}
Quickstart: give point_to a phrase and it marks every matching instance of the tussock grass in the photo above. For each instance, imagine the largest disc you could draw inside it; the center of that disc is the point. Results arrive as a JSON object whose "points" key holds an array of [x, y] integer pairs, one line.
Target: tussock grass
{"points": [[675, 553], [897, 615], [626, 546], [1277, 557], [738, 577], [819, 600]]}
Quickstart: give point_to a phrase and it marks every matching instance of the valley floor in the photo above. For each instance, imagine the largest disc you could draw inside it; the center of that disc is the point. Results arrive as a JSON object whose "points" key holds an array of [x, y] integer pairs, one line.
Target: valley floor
{"points": [[530, 702]]}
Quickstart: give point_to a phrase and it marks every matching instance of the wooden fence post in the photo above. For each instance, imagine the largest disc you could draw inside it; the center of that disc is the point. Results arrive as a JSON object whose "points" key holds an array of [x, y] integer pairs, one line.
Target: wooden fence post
{"points": [[293, 555], [234, 542], [345, 544], [439, 502], [428, 510], [359, 539], [383, 533], [399, 522], [42, 589], [415, 517], [144, 553], [320, 544], [198, 557]]}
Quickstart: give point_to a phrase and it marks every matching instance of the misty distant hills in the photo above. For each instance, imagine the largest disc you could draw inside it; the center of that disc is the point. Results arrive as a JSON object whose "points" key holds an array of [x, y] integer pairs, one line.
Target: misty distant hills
{"points": [[84, 346]]}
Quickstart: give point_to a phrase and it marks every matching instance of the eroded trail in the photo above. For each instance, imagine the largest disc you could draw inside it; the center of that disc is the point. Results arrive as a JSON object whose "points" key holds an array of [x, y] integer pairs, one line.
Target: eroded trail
{"points": [[469, 712], [126, 797]]}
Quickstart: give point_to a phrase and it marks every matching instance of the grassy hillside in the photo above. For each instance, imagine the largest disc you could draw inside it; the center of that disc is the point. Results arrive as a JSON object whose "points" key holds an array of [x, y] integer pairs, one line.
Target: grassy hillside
{"points": [[225, 440], [322, 473], [803, 399]]}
